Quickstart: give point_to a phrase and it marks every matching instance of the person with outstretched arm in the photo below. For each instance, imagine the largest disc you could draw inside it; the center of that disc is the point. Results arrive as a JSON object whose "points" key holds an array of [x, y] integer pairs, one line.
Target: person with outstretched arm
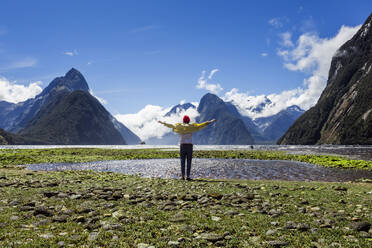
{"points": [[185, 131]]}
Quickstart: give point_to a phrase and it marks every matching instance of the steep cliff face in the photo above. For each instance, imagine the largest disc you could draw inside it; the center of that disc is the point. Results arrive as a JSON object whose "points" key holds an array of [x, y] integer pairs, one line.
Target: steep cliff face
{"points": [[76, 118], [16, 116], [343, 113], [7, 138], [227, 130]]}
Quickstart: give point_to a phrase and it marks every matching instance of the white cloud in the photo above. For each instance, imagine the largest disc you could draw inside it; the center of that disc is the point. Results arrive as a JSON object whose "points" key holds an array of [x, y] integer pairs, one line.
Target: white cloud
{"points": [[278, 22], [264, 54], [203, 83], [212, 73], [145, 122], [71, 53], [312, 55], [12, 92], [286, 39], [101, 100]]}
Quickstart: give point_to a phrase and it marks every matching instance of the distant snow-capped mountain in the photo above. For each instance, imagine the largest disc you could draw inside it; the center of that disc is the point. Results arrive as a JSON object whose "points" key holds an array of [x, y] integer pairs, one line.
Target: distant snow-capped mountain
{"points": [[262, 130], [180, 107]]}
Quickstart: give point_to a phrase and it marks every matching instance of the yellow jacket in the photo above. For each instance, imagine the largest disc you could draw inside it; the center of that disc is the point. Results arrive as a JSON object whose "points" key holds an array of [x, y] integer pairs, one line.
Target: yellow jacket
{"points": [[182, 128]]}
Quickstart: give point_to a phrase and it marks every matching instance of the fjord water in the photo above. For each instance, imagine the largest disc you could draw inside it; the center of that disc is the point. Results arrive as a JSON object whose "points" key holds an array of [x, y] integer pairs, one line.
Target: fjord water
{"points": [[217, 169], [224, 168]]}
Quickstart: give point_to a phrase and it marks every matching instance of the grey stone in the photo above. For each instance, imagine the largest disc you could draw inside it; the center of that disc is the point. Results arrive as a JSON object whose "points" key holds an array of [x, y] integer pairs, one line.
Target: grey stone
{"points": [[213, 237], [14, 203], [61, 243], [277, 243], [93, 236], [361, 226], [173, 243], [290, 225], [60, 218], [43, 211], [303, 227], [46, 236], [75, 196], [112, 227], [14, 218], [50, 194], [179, 217], [270, 232]]}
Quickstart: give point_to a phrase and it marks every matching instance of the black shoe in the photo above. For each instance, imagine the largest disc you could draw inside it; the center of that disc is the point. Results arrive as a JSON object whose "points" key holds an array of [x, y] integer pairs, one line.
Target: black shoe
{"points": [[182, 178], [188, 179]]}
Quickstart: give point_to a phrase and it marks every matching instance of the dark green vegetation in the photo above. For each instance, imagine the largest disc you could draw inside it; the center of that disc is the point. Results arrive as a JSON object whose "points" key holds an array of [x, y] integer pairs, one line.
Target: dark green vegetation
{"points": [[343, 114], [11, 157], [75, 118], [90, 209], [7, 138], [229, 129]]}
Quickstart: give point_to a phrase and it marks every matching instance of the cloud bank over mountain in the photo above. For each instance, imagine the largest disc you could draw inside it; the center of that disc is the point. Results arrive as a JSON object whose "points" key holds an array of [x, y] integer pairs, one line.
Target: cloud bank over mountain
{"points": [[145, 123], [12, 92], [310, 54]]}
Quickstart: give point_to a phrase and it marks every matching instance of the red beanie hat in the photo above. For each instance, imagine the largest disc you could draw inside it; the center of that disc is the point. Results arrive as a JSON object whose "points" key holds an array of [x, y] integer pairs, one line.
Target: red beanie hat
{"points": [[186, 119]]}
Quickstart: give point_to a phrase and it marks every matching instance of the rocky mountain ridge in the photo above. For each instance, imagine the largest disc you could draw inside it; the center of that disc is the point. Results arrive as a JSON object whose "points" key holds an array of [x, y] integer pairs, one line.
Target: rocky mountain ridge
{"points": [[343, 113], [20, 117]]}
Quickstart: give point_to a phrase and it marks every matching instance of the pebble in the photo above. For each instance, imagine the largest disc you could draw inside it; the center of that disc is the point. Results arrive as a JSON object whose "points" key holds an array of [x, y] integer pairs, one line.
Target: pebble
{"points": [[46, 236], [315, 209], [215, 218], [120, 214], [61, 243], [14, 203], [14, 218], [303, 227], [290, 225], [112, 227], [173, 243], [213, 237], [277, 243], [271, 232], [364, 234], [60, 218], [143, 245], [361, 226], [93, 236], [179, 217], [43, 211]]}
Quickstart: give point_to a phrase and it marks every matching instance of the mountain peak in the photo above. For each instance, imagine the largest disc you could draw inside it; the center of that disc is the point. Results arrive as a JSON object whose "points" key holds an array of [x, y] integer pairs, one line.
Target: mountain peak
{"points": [[73, 73], [209, 99], [295, 108], [73, 80], [179, 108]]}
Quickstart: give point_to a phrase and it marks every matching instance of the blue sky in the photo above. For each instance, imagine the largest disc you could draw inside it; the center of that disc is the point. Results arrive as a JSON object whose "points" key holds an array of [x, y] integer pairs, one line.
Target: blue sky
{"points": [[135, 53]]}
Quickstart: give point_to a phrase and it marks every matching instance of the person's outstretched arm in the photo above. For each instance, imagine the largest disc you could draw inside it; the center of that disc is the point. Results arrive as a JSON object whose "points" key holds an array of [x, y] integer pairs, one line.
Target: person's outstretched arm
{"points": [[204, 124], [167, 124]]}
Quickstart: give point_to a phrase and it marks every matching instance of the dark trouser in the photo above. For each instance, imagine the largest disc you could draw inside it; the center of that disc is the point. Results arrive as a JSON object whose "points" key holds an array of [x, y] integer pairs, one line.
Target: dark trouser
{"points": [[186, 152]]}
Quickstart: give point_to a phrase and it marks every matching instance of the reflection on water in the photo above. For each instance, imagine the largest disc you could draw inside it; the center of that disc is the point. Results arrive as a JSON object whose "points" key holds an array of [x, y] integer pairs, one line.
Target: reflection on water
{"points": [[217, 169], [355, 152]]}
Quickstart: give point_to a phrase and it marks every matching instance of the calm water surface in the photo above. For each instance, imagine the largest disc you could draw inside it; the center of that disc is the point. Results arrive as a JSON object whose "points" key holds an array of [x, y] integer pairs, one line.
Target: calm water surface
{"points": [[217, 169]]}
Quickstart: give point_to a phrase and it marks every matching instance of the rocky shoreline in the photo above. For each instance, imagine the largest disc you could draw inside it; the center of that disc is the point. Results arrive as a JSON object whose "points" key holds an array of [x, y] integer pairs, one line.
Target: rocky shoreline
{"points": [[77, 208]]}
